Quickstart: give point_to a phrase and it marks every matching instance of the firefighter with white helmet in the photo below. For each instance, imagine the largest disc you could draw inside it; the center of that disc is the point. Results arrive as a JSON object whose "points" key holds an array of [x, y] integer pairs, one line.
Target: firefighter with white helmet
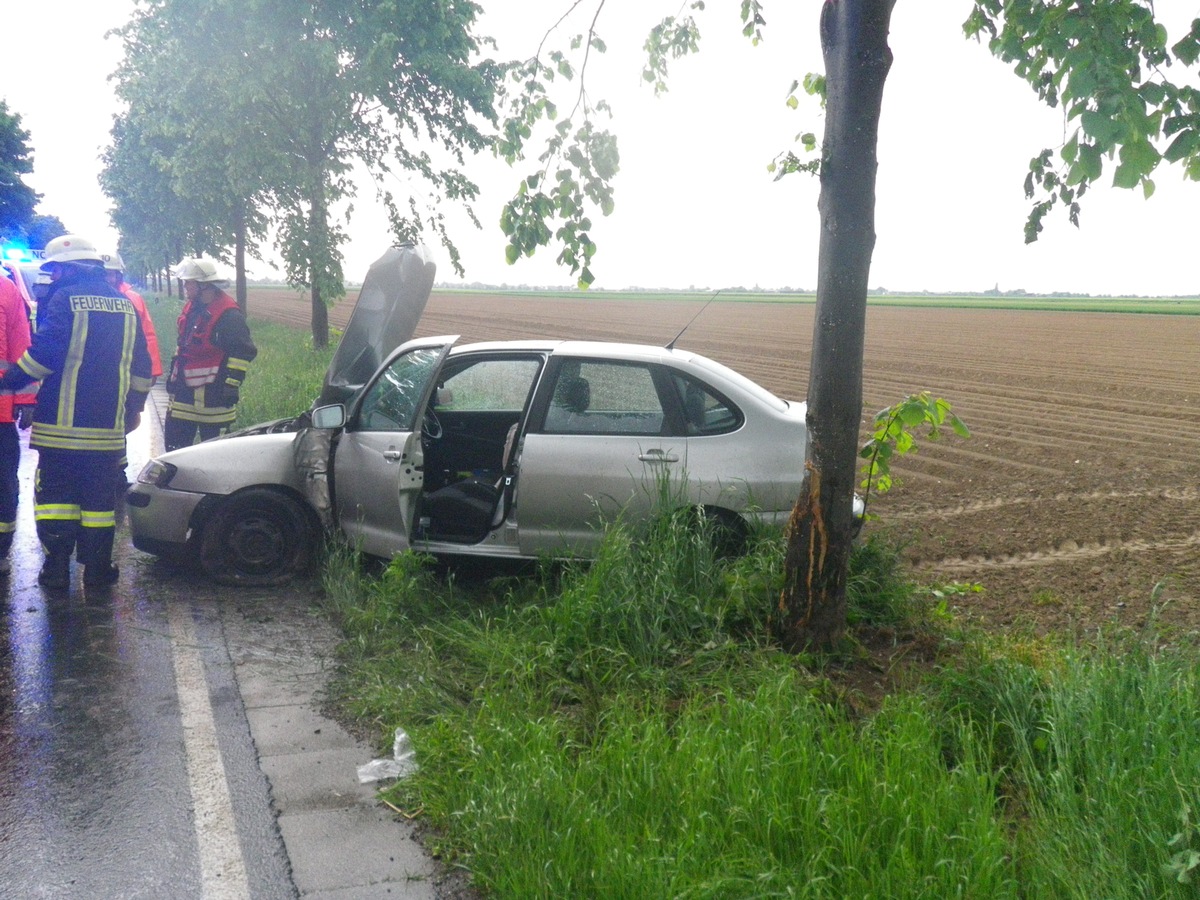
{"points": [[90, 355], [211, 359]]}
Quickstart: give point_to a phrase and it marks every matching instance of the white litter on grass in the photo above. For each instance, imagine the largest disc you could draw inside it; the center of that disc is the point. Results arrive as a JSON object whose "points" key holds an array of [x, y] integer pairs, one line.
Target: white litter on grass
{"points": [[402, 764]]}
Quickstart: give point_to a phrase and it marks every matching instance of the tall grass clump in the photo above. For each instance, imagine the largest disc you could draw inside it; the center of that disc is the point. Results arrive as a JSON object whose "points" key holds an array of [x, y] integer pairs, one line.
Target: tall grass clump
{"points": [[728, 795], [1100, 767]]}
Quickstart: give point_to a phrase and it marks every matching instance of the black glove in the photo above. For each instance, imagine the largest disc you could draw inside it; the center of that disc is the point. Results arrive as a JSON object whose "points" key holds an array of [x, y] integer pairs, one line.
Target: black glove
{"points": [[24, 416], [231, 396]]}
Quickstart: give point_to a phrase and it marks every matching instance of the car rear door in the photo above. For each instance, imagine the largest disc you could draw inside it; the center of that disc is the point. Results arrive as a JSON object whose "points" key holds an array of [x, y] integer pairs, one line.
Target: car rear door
{"points": [[378, 464], [600, 445]]}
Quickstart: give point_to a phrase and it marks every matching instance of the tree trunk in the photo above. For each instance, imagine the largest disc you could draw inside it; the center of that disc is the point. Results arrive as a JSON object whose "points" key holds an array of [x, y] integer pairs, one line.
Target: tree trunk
{"points": [[239, 257], [318, 249], [812, 604], [320, 318]]}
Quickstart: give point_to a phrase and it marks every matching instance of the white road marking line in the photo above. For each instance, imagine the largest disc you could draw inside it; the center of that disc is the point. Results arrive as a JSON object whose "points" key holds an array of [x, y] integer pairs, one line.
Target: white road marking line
{"points": [[222, 868]]}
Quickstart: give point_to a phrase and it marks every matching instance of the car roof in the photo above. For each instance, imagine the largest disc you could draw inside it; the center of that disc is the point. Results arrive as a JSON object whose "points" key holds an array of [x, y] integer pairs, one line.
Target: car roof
{"points": [[563, 347]]}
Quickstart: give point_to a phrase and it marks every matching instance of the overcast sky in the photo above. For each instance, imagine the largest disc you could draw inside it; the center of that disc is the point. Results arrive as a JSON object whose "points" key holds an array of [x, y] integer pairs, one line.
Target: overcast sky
{"points": [[695, 205]]}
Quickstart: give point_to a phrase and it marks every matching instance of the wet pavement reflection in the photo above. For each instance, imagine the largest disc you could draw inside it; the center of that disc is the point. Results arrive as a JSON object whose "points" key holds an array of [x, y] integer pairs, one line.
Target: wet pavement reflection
{"points": [[95, 796]]}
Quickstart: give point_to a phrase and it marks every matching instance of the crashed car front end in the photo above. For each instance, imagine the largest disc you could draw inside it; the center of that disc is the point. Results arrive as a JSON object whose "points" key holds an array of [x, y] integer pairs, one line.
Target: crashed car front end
{"points": [[167, 503]]}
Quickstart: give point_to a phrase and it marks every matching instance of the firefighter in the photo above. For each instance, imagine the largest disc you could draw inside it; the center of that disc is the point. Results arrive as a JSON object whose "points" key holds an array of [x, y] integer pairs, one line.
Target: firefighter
{"points": [[14, 341], [114, 272], [210, 362], [90, 355]]}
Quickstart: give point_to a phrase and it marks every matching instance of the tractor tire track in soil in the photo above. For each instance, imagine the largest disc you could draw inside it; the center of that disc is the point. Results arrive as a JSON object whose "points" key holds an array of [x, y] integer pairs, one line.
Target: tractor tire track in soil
{"points": [[1073, 504]]}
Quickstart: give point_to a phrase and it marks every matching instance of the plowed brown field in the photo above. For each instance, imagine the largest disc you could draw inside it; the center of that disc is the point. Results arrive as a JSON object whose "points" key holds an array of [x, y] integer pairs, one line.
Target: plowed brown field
{"points": [[1075, 502]]}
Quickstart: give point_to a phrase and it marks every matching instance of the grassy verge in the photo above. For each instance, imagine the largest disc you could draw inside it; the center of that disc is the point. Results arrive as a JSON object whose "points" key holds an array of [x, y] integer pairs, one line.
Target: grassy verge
{"points": [[623, 730]]}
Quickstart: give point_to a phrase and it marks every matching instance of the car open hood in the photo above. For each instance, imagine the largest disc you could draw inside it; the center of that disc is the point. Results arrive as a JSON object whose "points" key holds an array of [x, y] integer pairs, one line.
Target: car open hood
{"points": [[389, 306]]}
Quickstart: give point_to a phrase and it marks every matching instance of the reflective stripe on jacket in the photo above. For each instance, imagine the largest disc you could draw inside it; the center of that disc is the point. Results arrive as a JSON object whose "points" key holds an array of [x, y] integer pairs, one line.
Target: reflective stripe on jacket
{"points": [[90, 355]]}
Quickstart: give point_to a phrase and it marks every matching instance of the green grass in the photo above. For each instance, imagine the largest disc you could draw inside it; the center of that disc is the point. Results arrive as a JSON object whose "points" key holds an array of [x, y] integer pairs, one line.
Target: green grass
{"points": [[623, 729]]}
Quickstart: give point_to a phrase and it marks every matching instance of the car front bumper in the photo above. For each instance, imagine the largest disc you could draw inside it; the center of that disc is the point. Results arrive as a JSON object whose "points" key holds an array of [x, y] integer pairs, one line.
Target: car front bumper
{"points": [[160, 520]]}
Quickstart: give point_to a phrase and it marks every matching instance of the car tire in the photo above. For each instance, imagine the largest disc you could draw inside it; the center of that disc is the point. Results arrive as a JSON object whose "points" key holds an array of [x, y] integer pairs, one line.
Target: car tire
{"points": [[728, 531], [257, 538]]}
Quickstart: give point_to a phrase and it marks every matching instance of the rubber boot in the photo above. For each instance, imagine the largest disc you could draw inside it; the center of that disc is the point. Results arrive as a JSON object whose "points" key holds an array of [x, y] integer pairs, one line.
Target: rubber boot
{"points": [[58, 540], [56, 571], [95, 552]]}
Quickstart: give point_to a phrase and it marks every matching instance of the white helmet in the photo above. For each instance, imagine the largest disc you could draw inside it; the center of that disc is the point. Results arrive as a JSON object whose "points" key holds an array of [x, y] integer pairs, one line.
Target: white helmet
{"points": [[113, 262], [196, 269], [70, 248]]}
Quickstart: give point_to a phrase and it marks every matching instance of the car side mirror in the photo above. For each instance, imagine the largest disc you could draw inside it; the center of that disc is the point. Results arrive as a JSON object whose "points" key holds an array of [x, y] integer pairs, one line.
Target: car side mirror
{"points": [[332, 416]]}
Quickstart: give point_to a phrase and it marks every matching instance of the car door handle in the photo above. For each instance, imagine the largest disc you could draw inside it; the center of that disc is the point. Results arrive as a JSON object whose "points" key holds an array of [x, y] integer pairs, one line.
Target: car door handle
{"points": [[393, 455], [657, 455]]}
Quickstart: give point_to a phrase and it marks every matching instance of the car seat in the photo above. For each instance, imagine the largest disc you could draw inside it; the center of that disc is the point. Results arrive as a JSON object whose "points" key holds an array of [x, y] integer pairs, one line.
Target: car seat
{"points": [[468, 509], [569, 407], [693, 408]]}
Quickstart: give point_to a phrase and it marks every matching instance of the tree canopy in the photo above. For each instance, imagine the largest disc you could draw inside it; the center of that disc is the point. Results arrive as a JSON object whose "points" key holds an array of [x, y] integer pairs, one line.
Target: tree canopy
{"points": [[17, 199], [270, 109]]}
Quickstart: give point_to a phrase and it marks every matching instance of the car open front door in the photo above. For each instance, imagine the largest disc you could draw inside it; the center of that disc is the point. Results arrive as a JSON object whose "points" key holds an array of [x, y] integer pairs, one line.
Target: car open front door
{"points": [[378, 464]]}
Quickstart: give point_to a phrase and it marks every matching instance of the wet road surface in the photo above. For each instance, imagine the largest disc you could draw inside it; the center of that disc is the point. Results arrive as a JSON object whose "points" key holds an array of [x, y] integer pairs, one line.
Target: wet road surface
{"points": [[162, 738], [126, 765]]}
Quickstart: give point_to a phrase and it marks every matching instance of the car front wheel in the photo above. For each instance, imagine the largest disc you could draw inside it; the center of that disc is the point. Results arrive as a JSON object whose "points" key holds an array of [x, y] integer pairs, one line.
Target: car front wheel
{"points": [[257, 538]]}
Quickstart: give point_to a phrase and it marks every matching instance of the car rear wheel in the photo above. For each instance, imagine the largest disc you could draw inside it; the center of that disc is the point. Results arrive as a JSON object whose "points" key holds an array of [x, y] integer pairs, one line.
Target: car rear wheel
{"points": [[257, 538], [728, 531]]}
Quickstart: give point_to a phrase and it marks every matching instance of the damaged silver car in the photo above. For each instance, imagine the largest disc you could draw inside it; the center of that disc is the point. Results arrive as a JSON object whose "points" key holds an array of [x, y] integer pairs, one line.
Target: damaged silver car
{"points": [[513, 449]]}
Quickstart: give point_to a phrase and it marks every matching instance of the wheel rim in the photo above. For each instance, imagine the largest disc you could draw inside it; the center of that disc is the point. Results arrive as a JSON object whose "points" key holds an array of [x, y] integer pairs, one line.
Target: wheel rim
{"points": [[259, 543]]}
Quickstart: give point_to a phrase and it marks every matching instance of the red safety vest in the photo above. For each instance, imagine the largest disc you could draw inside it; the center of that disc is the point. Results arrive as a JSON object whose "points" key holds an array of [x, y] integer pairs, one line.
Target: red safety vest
{"points": [[199, 359], [147, 327], [14, 319]]}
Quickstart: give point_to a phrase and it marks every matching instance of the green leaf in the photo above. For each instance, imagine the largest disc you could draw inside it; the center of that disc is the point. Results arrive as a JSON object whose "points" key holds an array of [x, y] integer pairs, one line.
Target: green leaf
{"points": [[1070, 149], [1187, 51], [1185, 144], [912, 413]]}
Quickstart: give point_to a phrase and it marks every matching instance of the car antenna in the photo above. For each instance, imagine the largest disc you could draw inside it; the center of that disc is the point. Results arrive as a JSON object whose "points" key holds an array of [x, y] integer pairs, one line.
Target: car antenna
{"points": [[671, 345]]}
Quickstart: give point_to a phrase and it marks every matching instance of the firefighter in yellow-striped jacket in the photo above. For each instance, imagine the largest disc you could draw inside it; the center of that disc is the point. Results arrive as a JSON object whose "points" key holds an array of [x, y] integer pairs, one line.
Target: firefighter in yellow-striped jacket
{"points": [[90, 355], [210, 362]]}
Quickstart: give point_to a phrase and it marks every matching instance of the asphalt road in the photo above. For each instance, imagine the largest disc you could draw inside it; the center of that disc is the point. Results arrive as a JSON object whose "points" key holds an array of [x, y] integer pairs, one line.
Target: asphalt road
{"points": [[162, 738]]}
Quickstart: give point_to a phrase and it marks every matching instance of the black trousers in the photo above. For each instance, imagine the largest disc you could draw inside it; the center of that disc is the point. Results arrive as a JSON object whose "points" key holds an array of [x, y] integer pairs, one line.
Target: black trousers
{"points": [[182, 432], [10, 460], [74, 503]]}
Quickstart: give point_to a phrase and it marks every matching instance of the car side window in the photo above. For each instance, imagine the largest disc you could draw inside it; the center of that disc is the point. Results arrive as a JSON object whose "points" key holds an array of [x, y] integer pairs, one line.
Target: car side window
{"points": [[598, 397], [703, 411], [390, 404], [488, 384]]}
